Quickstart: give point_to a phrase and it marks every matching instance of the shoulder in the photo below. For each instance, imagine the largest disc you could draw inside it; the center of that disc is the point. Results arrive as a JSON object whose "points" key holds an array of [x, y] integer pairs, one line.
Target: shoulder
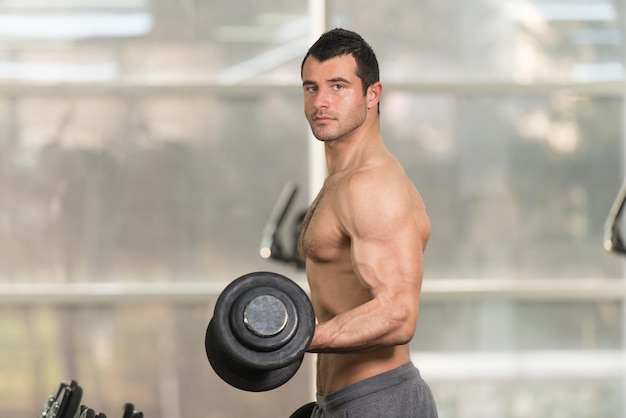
{"points": [[374, 198], [384, 182]]}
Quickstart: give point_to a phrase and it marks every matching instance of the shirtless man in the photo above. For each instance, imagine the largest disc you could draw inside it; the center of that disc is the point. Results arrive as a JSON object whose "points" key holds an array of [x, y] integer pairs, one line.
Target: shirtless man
{"points": [[363, 240]]}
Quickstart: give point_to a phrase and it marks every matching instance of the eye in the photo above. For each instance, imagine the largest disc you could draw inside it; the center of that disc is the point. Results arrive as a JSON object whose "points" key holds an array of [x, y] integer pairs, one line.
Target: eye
{"points": [[338, 87], [310, 89]]}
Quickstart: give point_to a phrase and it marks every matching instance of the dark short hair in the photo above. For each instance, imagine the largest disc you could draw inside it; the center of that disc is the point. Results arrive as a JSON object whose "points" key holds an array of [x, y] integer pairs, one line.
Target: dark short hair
{"points": [[338, 42]]}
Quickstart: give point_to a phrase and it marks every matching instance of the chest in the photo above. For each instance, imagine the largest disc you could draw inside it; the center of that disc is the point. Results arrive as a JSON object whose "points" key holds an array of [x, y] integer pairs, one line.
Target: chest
{"points": [[321, 236]]}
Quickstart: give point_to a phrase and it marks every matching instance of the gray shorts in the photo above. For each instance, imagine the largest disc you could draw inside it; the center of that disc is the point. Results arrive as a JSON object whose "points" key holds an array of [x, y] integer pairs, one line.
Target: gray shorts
{"points": [[398, 393]]}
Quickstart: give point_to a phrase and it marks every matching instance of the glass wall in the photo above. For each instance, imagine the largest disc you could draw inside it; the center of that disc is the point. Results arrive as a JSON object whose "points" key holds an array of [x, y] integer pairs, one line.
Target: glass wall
{"points": [[147, 141]]}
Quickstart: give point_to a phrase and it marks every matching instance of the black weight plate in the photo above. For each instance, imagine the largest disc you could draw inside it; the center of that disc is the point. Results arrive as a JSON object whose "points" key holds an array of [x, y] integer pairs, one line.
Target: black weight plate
{"points": [[251, 380], [255, 359], [256, 342], [74, 401]]}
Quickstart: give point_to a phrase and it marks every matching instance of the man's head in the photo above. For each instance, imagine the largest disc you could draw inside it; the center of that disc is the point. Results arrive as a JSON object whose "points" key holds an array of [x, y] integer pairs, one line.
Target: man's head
{"points": [[340, 85], [339, 42]]}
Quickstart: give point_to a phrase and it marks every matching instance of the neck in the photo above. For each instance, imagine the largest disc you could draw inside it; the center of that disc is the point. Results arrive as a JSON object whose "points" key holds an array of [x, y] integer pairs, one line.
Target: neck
{"points": [[352, 149], [346, 154]]}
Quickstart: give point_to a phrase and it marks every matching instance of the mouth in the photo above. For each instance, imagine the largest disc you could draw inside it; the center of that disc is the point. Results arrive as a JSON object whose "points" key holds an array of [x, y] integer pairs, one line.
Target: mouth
{"points": [[322, 119]]}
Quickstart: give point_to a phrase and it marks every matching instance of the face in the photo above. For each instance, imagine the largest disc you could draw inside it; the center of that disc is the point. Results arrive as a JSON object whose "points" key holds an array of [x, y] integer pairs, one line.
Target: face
{"points": [[334, 103]]}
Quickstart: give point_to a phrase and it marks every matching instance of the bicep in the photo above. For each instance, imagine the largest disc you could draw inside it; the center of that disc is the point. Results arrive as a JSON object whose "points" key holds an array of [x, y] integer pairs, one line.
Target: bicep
{"points": [[391, 265], [387, 253]]}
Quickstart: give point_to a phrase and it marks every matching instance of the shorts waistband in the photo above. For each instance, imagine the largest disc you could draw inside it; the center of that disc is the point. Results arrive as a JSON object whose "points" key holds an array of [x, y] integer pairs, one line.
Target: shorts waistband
{"points": [[368, 386]]}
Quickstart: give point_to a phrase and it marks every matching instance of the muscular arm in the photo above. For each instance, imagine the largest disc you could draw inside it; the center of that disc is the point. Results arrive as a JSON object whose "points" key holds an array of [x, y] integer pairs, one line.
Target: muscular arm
{"points": [[382, 224]]}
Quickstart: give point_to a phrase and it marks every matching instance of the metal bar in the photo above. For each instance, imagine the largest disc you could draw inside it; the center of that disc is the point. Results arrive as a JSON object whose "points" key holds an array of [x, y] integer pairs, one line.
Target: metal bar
{"points": [[580, 290], [204, 87], [318, 15], [107, 293], [520, 365], [525, 289], [141, 89]]}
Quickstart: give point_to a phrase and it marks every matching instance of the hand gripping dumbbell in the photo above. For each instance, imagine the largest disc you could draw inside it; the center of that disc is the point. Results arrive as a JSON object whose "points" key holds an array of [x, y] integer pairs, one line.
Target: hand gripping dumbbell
{"points": [[261, 328]]}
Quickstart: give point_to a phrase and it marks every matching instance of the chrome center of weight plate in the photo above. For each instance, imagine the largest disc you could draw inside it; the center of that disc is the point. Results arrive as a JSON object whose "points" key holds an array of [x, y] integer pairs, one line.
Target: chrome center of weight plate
{"points": [[265, 316]]}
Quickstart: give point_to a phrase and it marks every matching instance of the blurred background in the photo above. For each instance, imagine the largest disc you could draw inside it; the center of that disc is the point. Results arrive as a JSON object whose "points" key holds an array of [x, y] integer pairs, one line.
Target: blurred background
{"points": [[144, 143]]}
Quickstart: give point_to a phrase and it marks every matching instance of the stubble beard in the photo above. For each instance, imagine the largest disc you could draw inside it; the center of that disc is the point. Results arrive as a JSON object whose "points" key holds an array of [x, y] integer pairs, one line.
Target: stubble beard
{"points": [[326, 133], [322, 135]]}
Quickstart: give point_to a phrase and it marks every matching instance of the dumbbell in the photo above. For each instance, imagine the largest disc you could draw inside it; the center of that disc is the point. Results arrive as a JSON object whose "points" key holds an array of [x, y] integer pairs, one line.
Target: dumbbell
{"points": [[261, 327]]}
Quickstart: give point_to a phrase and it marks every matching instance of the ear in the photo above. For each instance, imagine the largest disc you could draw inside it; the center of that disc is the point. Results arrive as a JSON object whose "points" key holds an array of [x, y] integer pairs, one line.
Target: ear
{"points": [[374, 92]]}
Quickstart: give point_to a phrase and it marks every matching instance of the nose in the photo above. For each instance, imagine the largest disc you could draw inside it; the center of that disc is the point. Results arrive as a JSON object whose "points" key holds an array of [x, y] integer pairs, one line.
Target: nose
{"points": [[321, 99]]}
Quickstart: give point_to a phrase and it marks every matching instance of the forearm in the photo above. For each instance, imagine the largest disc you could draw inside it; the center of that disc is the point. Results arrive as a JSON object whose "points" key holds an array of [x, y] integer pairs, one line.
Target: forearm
{"points": [[366, 327]]}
